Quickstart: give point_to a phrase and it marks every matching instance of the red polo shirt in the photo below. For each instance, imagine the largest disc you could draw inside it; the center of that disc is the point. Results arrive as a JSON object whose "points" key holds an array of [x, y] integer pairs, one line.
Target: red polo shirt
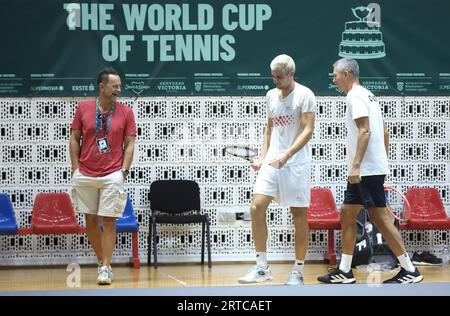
{"points": [[92, 162]]}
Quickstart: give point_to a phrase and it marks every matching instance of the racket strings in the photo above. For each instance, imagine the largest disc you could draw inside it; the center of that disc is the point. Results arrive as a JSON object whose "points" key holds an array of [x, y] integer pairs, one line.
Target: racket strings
{"points": [[406, 206], [243, 152]]}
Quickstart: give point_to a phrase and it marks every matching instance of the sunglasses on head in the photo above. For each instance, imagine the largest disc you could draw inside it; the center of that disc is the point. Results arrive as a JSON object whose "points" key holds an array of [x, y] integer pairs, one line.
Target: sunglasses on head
{"points": [[101, 120]]}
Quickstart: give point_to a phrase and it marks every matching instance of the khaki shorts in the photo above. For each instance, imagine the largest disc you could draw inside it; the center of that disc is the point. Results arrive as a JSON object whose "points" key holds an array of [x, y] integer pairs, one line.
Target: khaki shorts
{"points": [[290, 185], [103, 196]]}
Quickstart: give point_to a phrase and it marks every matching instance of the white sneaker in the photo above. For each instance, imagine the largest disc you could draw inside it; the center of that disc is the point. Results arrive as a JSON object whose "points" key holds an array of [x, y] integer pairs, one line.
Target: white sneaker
{"points": [[295, 278], [105, 276], [257, 274]]}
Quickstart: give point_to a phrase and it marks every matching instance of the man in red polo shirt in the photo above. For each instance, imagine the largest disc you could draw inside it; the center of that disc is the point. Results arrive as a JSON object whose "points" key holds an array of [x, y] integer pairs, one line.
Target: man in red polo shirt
{"points": [[101, 152]]}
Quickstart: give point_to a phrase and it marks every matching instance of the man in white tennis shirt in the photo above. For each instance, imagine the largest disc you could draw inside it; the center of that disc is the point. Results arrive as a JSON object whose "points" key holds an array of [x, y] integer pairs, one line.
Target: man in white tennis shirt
{"points": [[284, 167], [367, 148]]}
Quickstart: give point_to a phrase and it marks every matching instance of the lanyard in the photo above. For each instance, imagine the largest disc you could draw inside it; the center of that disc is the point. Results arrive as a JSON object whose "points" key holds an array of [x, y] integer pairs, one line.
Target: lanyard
{"points": [[97, 105]]}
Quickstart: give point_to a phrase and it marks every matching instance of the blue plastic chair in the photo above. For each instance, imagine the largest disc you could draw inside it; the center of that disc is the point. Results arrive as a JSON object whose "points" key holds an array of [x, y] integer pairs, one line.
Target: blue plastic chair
{"points": [[8, 223], [127, 223]]}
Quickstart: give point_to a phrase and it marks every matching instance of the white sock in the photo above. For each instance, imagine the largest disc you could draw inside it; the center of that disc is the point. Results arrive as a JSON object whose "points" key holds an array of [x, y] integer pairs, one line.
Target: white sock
{"points": [[346, 263], [261, 259], [298, 266], [406, 263]]}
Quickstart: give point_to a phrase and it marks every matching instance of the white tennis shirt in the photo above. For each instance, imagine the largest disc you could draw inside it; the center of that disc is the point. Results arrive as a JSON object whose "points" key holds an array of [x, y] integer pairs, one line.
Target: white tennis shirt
{"points": [[362, 103], [285, 114]]}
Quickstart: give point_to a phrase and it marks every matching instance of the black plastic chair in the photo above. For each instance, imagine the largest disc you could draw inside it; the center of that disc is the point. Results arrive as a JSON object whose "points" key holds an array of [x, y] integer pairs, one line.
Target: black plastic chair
{"points": [[170, 203]]}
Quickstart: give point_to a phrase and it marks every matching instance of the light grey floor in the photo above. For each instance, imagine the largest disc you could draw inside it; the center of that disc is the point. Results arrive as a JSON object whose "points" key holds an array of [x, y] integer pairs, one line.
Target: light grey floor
{"points": [[427, 289]]}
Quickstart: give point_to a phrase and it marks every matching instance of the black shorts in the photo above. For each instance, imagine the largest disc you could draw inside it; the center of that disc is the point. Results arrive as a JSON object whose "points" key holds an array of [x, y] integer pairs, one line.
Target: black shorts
{"points": [[369, 192]]}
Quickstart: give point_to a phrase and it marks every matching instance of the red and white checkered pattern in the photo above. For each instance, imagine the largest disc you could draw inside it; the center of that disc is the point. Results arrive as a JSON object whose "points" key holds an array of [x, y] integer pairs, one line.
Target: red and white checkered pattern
{"points": [[283, 120]]}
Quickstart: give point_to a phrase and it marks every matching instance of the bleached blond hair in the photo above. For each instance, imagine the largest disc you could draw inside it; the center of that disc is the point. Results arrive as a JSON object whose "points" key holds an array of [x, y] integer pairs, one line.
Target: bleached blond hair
{"points": [[284, 63]]}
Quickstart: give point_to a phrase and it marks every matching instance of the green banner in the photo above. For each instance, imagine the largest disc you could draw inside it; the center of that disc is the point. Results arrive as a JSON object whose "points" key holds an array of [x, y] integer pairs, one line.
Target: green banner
{"points": [[202, 48]]}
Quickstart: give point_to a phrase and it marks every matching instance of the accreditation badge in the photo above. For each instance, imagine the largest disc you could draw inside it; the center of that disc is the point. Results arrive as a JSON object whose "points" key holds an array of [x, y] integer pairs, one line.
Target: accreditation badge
{"points": [[103, 145]]}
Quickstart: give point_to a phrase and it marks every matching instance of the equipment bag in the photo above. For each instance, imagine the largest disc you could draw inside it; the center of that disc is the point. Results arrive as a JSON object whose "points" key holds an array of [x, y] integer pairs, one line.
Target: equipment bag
{"points": [[363, 247]]}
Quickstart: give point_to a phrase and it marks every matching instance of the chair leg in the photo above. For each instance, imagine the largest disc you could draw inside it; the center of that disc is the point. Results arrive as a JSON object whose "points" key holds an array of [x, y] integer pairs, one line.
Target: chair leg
{"points": [[155, 246], [135, 249], [209, 244], [149, 243], [203, 243], [331, 254]]}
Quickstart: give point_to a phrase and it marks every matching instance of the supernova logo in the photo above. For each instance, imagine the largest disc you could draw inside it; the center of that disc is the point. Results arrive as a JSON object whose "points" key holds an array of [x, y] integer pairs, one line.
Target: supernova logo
{"points": [[253, 87], [46, 88]]}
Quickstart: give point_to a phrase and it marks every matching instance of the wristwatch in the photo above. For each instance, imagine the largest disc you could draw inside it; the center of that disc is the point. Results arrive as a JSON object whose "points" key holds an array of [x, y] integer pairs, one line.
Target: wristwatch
{"points": [[125, 171]]}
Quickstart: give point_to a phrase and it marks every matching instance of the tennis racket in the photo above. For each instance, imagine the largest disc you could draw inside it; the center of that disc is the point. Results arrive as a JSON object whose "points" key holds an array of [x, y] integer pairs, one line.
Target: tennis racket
{"points": [[243, 152], [406, 205]]}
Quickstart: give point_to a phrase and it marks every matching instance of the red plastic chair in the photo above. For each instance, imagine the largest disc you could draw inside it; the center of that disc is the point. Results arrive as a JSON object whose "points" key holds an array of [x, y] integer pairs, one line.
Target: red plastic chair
{"points": [[323, 214], [427, 210], [53, 213]]}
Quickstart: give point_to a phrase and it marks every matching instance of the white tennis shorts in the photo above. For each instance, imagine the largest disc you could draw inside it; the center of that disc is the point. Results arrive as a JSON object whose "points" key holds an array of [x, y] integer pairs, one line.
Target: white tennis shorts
{"points": [[103, 196], [292, 183]]}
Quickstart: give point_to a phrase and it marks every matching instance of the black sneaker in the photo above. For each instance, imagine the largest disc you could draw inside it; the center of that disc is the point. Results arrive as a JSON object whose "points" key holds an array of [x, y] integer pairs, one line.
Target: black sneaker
{"points": [[405, 277], [426, 259], [337, 276]]}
